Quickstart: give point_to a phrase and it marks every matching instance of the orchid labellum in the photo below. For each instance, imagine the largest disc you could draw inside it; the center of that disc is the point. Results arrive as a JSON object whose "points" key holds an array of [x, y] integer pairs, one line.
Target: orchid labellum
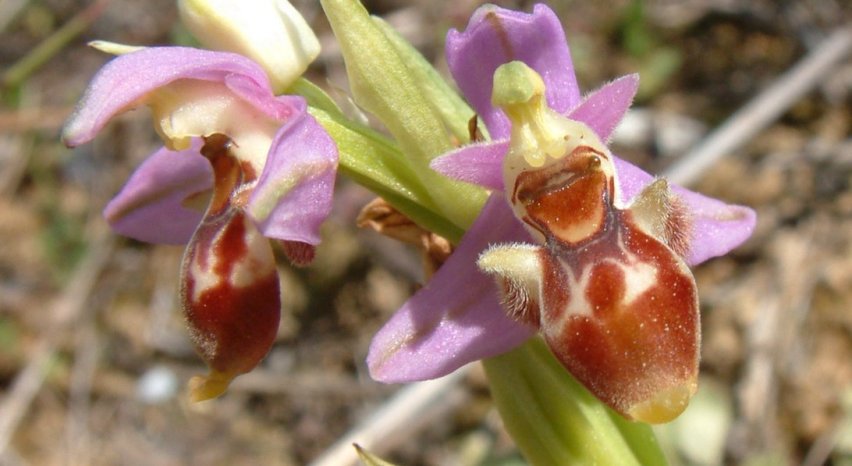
{"points": [[264, 166], [606, 284]]}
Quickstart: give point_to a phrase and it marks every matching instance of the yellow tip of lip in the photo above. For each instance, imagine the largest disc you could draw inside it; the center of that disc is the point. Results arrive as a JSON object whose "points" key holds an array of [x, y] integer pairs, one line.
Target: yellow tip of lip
{"points": [[664, 406], [203, 388]]}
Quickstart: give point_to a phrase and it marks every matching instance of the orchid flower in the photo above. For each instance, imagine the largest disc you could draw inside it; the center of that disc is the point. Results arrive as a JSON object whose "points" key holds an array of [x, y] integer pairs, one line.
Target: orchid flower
{"points": [[586, 248], [263, 166]]}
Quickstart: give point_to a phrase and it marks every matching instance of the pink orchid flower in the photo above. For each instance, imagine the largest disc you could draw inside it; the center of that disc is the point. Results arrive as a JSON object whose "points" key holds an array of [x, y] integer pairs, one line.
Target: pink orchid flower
{"points": [[620, 352], [264, 167]]}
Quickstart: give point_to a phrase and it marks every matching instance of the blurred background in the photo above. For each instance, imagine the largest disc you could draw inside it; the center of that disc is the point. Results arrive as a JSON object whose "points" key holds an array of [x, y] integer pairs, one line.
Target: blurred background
{"points": [[94, 355]]}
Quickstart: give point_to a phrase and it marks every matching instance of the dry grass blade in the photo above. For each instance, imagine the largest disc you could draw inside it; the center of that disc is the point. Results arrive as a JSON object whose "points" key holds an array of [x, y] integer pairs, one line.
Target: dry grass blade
{"points": [[765, 108], [397, 421], [52, 45]]}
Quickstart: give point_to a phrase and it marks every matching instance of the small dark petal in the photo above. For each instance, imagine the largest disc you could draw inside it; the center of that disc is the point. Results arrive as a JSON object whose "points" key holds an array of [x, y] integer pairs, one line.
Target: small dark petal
{"points": [[300, 254]]}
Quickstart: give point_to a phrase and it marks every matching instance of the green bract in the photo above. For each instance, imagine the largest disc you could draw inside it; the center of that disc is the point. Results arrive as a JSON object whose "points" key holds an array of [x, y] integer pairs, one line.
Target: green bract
{"points": [[377, 163], [388, 81]]}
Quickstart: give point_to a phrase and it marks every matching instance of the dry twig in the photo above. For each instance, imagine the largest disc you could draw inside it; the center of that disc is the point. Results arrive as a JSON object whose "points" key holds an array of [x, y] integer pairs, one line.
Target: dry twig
{"points": [[765, 108], [398, 420]]}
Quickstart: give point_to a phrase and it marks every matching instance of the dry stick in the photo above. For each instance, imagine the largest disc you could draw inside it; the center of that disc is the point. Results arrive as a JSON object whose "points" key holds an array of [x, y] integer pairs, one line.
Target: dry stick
{"points": [[398, 420], [411, 402], [821, 450], [739, 129], [80, 444], [64, 312], [402, 411], [764, 109]]}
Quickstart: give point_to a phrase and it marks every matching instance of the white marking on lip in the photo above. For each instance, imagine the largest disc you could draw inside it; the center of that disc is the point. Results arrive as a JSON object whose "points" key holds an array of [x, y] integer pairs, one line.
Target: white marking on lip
{"points": [[204, 278], [639, 277], [258, 261], [578, 304]]}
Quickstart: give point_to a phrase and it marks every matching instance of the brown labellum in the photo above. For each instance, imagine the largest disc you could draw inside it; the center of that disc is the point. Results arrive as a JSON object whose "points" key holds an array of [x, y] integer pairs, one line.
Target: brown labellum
{"points": [[608, 289], [606, 284], [230, 290]]}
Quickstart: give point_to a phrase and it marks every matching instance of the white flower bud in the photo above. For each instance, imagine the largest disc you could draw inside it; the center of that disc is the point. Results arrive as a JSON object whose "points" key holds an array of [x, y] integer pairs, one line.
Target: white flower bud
{"points": [[271, 32]]}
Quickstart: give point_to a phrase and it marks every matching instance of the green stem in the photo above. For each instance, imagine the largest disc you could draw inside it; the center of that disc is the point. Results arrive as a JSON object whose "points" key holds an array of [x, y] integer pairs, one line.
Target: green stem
{"points": [[555, 420]]}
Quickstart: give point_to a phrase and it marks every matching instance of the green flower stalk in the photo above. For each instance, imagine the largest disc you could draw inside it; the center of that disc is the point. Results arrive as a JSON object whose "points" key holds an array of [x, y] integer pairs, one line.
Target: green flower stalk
{"points": [[554, 420]]}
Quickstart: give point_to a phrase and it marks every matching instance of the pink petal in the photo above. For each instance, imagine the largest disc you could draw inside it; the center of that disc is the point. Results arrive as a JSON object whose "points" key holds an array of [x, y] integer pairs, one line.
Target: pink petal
{"points": [[604, 108], [495, 36], [631, 179], [151, 207], [456, 318], [293, 194], [480, 163], [124, 82], [260, 96], [717, 228]]}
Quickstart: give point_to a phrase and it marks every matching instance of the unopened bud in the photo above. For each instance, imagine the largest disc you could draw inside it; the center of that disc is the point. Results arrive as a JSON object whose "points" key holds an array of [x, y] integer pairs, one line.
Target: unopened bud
{"points": [[271, 32]]}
